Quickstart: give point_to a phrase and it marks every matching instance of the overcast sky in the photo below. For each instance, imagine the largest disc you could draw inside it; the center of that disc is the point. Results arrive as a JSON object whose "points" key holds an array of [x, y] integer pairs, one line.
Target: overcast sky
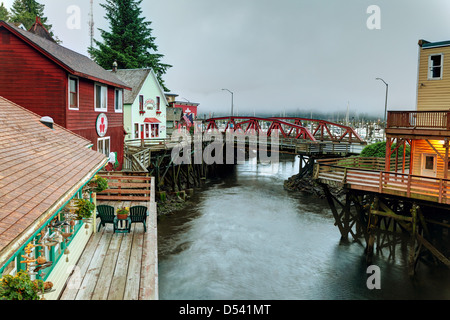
{"points": [[280, 55]]}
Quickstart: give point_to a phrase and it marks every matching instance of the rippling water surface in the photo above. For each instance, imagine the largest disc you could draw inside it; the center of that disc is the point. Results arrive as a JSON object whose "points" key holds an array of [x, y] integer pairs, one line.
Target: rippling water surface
{"points": [[245, 237]]}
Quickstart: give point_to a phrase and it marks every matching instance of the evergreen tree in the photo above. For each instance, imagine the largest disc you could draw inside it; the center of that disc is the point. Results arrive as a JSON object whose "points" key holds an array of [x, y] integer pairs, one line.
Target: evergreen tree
{"points": [[26, 11], [4, 13], [129, 41]]}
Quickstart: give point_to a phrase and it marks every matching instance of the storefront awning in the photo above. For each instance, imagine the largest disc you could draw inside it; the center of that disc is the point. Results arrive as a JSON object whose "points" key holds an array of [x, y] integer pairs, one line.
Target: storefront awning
{"points": [[151, 120]]}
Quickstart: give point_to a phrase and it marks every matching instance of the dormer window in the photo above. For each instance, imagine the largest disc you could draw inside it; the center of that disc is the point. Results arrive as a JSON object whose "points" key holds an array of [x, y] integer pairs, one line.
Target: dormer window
{"points": [[435, 63]]}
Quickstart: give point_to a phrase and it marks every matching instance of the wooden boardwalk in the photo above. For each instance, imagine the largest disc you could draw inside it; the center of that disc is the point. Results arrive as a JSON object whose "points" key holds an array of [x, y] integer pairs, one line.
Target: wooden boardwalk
{"points": [[118, 266]]}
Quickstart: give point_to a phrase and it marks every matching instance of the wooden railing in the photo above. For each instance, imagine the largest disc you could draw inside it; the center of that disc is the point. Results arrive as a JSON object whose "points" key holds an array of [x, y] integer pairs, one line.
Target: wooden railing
{"points": [[419, 119], [148, 142], [394, 183], [135, 186], [367, 163]]}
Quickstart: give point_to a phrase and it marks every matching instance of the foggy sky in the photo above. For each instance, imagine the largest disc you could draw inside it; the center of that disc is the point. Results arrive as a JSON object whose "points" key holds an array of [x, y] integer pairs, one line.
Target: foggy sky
{"points": [[283, 55]]}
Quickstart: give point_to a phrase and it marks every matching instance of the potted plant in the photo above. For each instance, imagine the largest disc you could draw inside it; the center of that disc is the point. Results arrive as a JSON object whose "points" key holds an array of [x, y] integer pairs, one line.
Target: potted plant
{"points": [[123, 213], [98, 184], [85, 209], [20, 287]]}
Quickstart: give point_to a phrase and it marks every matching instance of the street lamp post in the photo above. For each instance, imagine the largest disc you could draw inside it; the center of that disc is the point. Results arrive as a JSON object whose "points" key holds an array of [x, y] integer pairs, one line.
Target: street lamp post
{"points": [[385, 104], [232, 101]]}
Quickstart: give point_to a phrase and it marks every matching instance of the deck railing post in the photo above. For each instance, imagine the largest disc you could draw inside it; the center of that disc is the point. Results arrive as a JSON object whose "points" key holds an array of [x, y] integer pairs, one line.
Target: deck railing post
{"points": [[94, 216], [152, 190], [380, 188], [408, 186], [344, 180], [448, 120]]}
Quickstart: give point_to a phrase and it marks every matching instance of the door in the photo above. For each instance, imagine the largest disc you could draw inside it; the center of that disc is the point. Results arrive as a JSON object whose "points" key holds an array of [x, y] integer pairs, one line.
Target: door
{"points": [[429, 165], [155, 130], [142, 131]]}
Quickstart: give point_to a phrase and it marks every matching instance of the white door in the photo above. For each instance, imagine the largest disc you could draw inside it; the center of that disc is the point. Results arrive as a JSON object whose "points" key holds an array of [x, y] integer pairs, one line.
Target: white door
{"points": [[429, 165]]}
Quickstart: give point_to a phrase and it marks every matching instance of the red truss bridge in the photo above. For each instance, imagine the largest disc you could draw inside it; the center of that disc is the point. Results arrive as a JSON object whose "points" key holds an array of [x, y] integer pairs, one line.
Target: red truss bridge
{"points": [[308, 130]]}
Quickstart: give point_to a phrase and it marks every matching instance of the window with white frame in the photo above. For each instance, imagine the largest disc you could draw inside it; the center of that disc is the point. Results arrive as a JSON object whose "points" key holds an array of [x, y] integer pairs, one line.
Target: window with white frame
{"points": [[73, 93], [101, 98], [435, 63], [118, 105], [104, 145], [141, 104]]}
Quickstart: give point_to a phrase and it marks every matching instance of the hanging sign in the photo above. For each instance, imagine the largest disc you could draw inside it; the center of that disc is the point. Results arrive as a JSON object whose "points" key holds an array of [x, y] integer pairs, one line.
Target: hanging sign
{"points": [[102, 125], [150, 104]]}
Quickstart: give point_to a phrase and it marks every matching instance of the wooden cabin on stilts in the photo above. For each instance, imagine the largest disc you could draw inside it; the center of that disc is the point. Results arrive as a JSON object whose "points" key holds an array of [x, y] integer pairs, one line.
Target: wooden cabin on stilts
{"points": [[407, 200]]}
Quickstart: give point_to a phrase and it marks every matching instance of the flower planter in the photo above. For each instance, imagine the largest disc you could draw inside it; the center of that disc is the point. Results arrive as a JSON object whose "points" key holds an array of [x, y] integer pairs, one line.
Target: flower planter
{"points": [[122, 216]]}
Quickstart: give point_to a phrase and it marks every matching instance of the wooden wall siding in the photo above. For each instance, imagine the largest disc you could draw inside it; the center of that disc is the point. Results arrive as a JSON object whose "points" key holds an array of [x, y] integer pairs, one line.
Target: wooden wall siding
{"points": [[117, 140], [35, 82], [30, 79], [83, 121], [420, 147], [433, 94], [86, 116]]}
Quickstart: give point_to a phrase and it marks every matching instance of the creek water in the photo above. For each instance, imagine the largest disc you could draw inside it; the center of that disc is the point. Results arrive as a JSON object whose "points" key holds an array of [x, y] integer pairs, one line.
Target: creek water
{"points": [[243, 237]]}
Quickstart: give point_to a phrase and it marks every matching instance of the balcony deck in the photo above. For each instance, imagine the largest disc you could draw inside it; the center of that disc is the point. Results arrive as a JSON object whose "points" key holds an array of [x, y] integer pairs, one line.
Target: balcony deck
{"points": [[118, 266], [362, 175], [419, 124]]}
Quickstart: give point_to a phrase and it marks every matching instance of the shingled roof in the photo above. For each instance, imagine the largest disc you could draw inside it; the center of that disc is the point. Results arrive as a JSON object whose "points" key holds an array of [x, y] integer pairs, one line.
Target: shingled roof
{"points": [[40, 170], [39, 29], [74, 62], [135, 79]]}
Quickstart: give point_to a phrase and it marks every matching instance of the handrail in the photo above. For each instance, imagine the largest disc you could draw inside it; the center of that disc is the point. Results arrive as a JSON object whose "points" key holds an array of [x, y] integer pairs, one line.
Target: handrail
{"points": [[419, 119], [128, 187], [404, 184], [361, 162], [275, 125], [323, 124]]}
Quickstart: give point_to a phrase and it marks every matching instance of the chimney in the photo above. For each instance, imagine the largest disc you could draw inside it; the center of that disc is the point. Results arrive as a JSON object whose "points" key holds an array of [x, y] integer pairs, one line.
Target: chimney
{"points": [[114, 69], [47, 121]]}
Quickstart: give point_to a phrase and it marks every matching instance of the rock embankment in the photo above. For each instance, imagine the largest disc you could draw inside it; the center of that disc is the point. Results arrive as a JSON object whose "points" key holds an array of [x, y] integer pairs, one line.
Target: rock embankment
{"points": [[171, 204], [308, 185]]}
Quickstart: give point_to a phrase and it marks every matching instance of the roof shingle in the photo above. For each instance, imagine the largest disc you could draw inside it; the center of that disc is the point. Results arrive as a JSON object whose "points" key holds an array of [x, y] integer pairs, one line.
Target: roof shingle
{"points": [[38, 167], [73, 61]]}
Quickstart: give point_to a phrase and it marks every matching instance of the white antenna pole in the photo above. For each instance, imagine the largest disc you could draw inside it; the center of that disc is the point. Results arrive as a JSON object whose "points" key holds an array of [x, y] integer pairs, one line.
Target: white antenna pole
{"points": [[91, 23]]}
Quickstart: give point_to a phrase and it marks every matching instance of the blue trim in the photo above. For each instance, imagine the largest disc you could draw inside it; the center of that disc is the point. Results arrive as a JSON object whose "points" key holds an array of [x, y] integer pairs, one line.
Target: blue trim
{"points": [[436, 44]]}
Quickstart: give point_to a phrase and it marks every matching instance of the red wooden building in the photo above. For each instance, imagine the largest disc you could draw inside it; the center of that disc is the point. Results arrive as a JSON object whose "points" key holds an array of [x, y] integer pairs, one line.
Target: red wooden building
{"points": [[54, 81], [187, 107]]}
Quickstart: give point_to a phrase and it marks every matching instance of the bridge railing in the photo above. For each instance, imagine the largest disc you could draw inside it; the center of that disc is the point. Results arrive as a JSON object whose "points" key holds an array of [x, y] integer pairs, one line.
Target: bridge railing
{"points": [[301, 128]]}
